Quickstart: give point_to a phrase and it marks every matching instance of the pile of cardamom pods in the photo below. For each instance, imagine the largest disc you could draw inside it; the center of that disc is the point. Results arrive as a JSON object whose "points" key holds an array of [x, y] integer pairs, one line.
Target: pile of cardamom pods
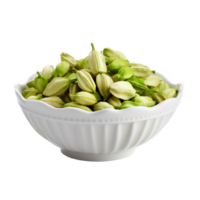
{"points": [[102, 80]]}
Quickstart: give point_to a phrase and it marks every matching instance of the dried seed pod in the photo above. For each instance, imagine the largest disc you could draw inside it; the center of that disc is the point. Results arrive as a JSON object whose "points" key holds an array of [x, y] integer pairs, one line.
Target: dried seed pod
{"points": [[103, 83], [122, 90], [57, 86], [114, 101], [76, 105], [96, 62], [29, 92], [85, 81], [73, 89], [140, 71], [40, 83], [36, 97], [53, 101], [152, 81], [85, 98], [102, 105], [68, 58]]}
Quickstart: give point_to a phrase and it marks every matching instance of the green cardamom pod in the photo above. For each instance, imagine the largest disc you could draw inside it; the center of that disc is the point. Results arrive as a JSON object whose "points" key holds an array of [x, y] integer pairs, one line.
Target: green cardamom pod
{"points": [[62, 69], [68, 58], [35, 97], [170, 92], [158, 97], [126, 104], [110, 59], [125, 73], [122, 90], [57, 86], [85, 81], [88, 71], [53, 101], [69, 73], [76, 105], [82, 64], [85, 98], [29, 92], [30, 84], [138, 90], [143, 101], [137, 83], [102, 105], [65, 97], [114, 78], [48, 72], [114, 101], [73, 89], [96, 61], [149, 92], [116, 65], [110, 53], [163, 86], [40, 83], [152, 81], [97, 95], [103, 83], [72, 77], [140, 71]]}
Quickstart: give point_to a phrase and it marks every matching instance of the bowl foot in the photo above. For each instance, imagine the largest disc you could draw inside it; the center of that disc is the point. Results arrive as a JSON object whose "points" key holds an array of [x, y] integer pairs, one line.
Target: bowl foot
{"points": [[97, 157]]}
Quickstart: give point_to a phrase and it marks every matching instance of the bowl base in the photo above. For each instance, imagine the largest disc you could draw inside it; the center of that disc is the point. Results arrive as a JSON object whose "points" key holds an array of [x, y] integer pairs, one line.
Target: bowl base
{"points": [[97, 157]]}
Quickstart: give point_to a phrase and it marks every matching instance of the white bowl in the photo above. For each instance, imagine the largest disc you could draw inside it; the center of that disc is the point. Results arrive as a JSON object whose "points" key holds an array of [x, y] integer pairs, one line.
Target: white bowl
{"points": [[98, 136]]}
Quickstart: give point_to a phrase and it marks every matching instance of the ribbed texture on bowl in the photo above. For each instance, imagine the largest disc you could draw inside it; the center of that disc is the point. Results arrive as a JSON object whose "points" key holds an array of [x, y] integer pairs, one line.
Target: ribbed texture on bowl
{"points": [[103, 132]]}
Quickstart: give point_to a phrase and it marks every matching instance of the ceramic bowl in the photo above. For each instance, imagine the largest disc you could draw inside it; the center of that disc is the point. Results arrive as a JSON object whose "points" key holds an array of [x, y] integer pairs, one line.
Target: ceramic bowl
{"points": [[98, 136]]}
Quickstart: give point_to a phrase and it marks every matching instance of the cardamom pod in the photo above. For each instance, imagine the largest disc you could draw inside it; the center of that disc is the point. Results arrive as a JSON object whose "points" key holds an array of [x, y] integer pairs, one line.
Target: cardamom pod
{"points": [[114, 101], [57, 86], [103, 83], [29, 92], [114, 78], [48, 72], [116, 65], [53, 101], [82, 64], [138, 83], [143, 101], [62, 69], [68, 58], [158, 97], [102, 105], [110, 59], [37, 97], [88, 71], [126, 104], [140, 71], [163, 86], [30, 84], [72, 77], [73, 89], [97, 95], [110, 53], [40, 83], [76, 105], [152, 81], [149, 92], [96, 62], [85, 98], [65, 97], [122, 90], [170, 92], [85, 81], [125, 73]]}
